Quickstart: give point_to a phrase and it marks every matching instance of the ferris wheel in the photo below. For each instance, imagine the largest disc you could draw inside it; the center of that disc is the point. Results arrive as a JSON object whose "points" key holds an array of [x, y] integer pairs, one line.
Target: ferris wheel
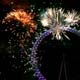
{"points": [[48, 53], [50, 47]]}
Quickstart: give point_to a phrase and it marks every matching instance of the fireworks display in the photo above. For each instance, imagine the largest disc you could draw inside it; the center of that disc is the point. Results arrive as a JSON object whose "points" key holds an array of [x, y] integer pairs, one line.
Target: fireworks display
{"points": [[21, 25], [18, 24], [26, 29], [58, 21], [24, 26], [25, 18]]}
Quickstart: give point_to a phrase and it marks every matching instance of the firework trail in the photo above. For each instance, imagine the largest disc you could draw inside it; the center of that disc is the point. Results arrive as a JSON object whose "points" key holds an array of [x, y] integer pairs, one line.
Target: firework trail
{"points": [[58, 21]]}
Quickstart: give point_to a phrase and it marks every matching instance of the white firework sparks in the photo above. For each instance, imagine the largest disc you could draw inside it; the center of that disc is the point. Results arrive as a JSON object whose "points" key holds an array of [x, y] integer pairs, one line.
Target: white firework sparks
{"points": [[72, 18], [58, 21]]}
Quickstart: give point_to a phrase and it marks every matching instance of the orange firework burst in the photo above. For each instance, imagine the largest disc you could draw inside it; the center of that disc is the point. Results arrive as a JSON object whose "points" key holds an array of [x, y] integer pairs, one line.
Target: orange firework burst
{"points": [[25, 18], [21, 29]]}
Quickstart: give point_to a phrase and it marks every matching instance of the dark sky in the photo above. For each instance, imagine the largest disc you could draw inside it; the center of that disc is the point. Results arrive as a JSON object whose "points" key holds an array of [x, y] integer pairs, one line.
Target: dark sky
{"points": [[66, 3]]}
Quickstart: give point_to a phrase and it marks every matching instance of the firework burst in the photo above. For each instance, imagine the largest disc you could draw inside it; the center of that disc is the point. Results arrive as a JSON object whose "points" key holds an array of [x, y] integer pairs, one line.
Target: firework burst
{"points": [[25, 18], [21, 24], [72, 18], [58, 21]]}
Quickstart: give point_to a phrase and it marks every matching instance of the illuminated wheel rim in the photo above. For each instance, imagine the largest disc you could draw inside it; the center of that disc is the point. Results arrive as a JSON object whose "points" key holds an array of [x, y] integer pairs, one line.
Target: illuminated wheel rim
{"points": [[34, 61]]}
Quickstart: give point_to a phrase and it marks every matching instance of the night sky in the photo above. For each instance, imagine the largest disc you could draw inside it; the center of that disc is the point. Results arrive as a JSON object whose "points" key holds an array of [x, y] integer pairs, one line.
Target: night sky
{"points": [[12, 64]]}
